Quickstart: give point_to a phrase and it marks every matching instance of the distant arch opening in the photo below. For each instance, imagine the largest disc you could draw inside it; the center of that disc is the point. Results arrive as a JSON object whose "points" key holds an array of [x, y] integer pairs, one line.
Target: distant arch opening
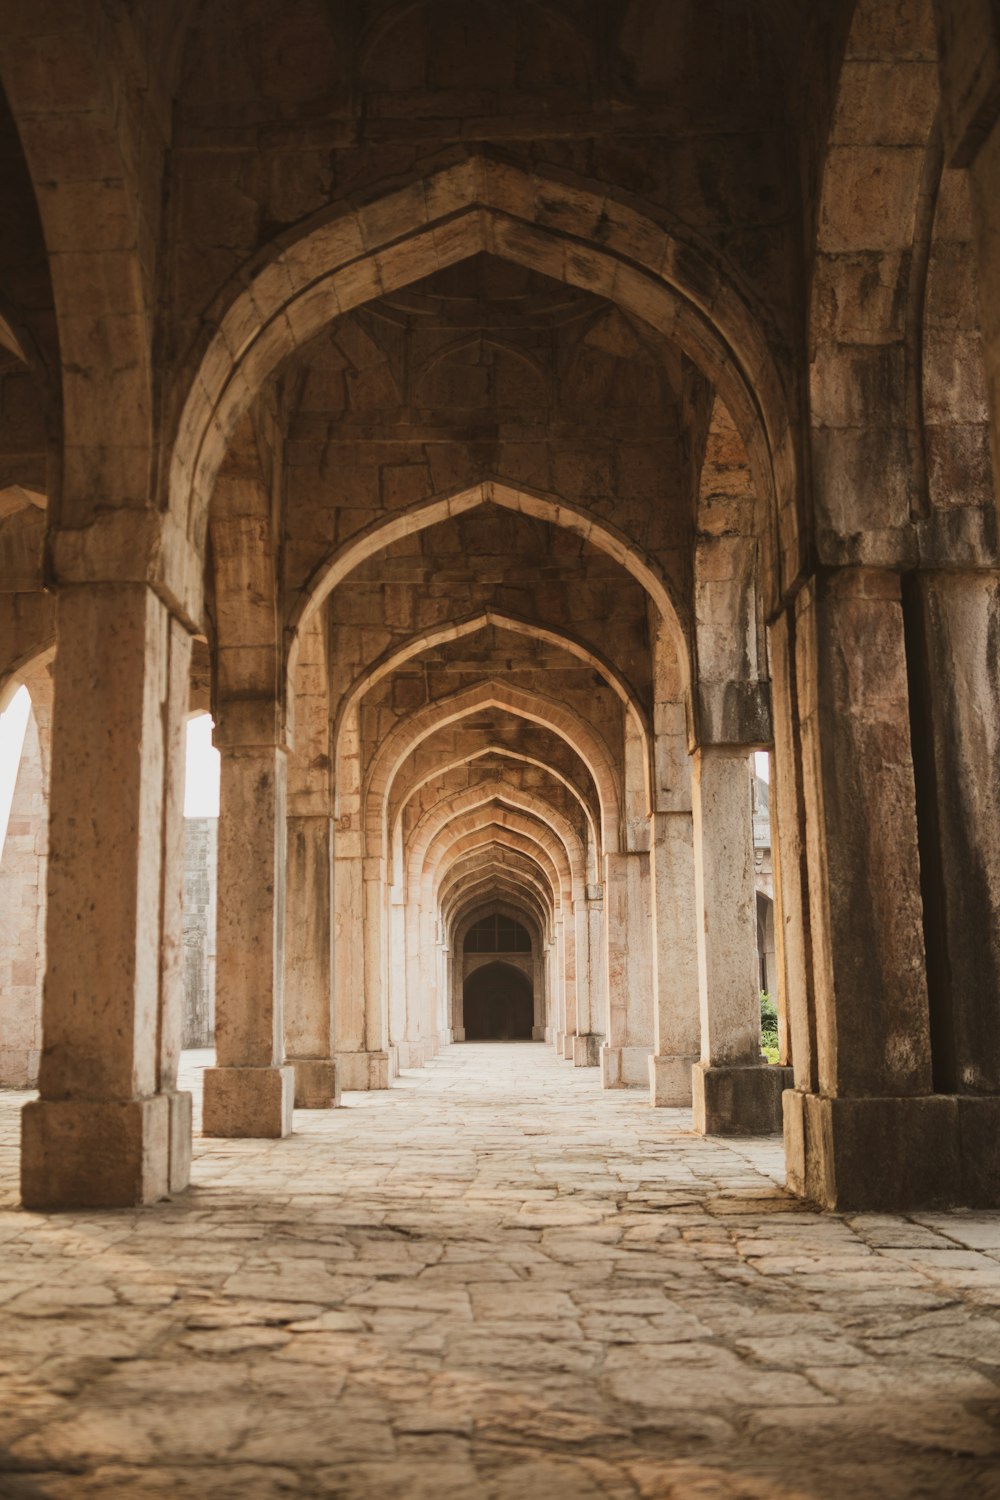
{"points": [[498, 1004]]}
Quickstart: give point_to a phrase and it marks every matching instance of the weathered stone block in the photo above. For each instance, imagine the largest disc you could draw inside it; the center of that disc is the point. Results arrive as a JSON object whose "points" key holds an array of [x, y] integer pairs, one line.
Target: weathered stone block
{"points": [[179, 1136], [890, 1155], [317, 1085], [737, 1100], [85, 1153], [249, 1102], [586, 1050], [364, 1070], [670, 1081], [979, 1148]]}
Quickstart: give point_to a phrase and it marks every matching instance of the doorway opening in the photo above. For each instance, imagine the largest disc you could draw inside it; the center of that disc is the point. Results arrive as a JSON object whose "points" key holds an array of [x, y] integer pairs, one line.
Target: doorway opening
{"points": [[498, 1004]]}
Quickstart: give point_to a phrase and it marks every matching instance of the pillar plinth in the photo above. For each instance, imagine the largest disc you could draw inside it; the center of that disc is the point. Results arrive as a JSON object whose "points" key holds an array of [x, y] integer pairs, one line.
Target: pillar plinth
{"points": [[95, 1153], [670, 1080], [255, 1102], [317, 1082], [587, 1051], [737, 1100], [365, 1070]]}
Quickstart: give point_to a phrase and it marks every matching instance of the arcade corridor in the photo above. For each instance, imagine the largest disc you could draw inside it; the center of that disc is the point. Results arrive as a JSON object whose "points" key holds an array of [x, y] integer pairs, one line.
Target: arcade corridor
{"points": [[494, 1280]]}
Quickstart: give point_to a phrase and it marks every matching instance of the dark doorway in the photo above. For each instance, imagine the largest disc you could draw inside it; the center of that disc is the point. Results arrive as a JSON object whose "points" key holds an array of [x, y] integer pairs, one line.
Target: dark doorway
{"points": [[498, 1005]]}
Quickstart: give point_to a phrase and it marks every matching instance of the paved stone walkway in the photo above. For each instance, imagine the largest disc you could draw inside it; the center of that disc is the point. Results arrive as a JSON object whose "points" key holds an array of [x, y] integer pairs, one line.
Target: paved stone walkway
{"points": [[494, 1281]]}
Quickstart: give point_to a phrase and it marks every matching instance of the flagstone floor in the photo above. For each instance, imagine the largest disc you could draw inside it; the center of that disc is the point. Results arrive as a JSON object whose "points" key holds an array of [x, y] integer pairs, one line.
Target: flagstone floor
{"points": [[494, 1281]]}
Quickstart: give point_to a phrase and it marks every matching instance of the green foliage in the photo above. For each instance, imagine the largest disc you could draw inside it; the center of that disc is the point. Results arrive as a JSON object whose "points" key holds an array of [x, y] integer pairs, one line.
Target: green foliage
{"points": [[768, 1028]]}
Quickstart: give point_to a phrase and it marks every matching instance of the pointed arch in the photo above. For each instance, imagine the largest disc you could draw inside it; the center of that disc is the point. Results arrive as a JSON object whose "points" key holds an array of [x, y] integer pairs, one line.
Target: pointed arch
{"points": [[490, 694], [573, 232]]}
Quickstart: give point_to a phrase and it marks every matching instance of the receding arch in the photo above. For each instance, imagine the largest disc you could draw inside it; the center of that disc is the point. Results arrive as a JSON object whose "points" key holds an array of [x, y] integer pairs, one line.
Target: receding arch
{"points": [[507, 754], [502, 830], [471, 799], [553, 509], [532, 706], [585, 237], [456, 630], [480, 877]]}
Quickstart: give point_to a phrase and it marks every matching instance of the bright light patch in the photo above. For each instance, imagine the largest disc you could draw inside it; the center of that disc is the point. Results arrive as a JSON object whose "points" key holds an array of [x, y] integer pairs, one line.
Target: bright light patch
{"points": [[762, 762], [13, 723], [201, 782]]}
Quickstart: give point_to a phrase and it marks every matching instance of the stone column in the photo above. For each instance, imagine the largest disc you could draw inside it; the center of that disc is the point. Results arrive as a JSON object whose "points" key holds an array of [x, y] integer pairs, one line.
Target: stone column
{"points": [[793, 944], [628, 930], [99, 1134], [586, 1045], [953, 625], [249, 1092], [539, 994], [873, 1135], [309, 962], [734, 1090], [677, 1013], [171, 1007], [571, 1032]]}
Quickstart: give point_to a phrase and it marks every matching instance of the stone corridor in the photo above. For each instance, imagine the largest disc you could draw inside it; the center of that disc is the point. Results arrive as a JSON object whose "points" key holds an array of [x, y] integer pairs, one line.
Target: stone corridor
{"points": [[494, 1280]]}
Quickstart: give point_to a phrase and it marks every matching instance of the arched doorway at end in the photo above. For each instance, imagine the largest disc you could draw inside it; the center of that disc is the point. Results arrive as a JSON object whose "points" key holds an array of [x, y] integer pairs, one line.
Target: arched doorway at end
{"points": [[498, 1004]]}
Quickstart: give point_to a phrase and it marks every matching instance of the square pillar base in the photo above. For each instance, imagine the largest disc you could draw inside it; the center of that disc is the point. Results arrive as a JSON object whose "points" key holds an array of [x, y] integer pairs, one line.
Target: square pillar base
{"points": [[365, 1070], [87, 1153], [624, 1067], [567, 1050], [458, 1033], [316, 1083], [587, 1050], [670, 1081], [538, 1034], [558, 1040], [248, 1102], [735, 1100], [180, 1132], [893, 1155]]}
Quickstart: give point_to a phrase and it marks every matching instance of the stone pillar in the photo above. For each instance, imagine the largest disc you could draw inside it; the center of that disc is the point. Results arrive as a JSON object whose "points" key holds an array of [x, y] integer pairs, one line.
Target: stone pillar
{"points": [[586, 1045], [953, 624], [360, 1066], [171, 1004], [308, 993], [677, 1013], [872, 1135], [629, 965], [734, 1090], [539, 993], [571, 1033], [793, 946], [249, 1092], [99, 1134], [23, 863]]}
